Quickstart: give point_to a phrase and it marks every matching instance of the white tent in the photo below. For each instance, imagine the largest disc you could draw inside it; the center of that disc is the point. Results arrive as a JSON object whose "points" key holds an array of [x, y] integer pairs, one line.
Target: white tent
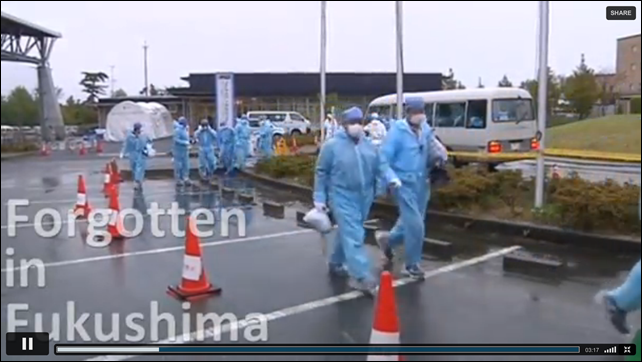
{"points": [[156, 120]]}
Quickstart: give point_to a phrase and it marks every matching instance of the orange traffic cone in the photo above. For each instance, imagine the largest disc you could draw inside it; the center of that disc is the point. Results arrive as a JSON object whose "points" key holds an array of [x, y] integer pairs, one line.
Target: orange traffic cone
{"points": [[107, 184], [99, 147], [115, 173], [44, 150], [83, 150], [385, 329], [195, 283], [82, 208], [115, 227], [294, 149]]}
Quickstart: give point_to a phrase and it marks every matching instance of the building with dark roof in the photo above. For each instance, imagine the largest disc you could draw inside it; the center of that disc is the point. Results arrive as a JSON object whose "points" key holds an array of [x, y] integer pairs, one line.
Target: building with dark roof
{"points": [[298, 92]]}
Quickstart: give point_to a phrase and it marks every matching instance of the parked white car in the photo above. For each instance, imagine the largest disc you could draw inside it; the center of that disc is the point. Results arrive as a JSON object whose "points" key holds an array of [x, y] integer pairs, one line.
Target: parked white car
{"points": [[286, 123]]}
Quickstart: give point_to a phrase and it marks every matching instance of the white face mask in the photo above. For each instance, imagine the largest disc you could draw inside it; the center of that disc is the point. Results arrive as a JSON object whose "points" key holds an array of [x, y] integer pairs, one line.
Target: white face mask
{"points": [[417, 119], [355, 130]]}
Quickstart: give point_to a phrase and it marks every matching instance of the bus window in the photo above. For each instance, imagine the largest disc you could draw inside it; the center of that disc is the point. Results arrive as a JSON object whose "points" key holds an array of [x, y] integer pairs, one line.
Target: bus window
{"points": [[429, 113], [382, 111], [513, 110], [477, 111], [451, 115]]}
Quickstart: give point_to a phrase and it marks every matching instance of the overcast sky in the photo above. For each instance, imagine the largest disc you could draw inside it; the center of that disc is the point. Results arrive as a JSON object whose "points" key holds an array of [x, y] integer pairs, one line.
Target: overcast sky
{"points": [[477, 39]]}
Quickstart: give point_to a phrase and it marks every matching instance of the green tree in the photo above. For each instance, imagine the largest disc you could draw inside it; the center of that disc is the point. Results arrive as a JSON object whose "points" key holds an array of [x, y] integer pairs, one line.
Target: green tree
{"points": [[505, 83], [554, 91], [448, 82], [94, 85], [120, 93], [75, 112], [20, 108], [581, 90]]}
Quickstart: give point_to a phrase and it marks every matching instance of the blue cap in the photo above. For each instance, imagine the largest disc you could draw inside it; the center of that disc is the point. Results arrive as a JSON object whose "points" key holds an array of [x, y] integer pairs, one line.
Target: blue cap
{"points": [[415, 104], [182, 121], [137, 126], [352, 115]]}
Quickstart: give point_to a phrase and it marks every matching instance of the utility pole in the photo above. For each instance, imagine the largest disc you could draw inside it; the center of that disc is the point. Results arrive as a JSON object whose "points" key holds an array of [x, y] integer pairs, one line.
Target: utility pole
{"points": [[323, 54], [400, 100], [145, 48], [542, 97], [112, 81]]}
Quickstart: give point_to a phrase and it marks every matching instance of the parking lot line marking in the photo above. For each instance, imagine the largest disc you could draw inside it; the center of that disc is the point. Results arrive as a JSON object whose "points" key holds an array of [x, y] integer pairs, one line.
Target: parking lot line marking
{"points": [[168, 250], [214, 332]]}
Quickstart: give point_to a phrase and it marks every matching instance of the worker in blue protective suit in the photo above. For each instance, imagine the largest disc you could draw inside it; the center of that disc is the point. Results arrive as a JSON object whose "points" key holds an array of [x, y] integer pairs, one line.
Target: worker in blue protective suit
{"points": [[330, 127], [207, 138], [625, 299], [181, 152], [346, 173], [266, 139], [135, 148], [226, 141], [243, 135], [412, 151]]}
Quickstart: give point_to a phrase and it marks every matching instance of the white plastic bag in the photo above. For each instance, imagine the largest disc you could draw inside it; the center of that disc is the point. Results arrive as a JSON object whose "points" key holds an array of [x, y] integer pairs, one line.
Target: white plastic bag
{"points": [[150, 151], [318, 220]]}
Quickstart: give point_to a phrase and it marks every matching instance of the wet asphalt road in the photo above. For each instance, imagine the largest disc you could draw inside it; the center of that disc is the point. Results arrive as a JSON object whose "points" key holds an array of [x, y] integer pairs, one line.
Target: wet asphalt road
{"points": [[276, 266]]}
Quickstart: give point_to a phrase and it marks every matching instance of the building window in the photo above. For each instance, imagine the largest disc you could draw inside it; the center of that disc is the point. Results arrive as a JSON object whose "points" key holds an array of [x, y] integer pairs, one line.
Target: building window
{"points": [[632, 87], [634, 49], [634, 67]]}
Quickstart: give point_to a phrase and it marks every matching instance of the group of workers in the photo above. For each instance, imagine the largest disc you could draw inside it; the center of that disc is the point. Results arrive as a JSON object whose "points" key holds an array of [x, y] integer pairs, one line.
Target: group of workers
{"points": [[353, 163], [230, 144]]}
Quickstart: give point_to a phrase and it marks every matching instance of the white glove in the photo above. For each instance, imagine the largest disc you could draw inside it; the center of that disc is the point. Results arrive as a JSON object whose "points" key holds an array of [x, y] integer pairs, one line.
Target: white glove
{"points": [[122, 156], [395, 184], [320, 206]]}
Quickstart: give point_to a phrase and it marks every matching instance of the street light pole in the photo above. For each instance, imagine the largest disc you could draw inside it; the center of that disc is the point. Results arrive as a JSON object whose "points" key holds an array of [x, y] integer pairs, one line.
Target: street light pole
{"points": [[323, 54], [542, 97], [112, 80], [145, 48], [399, 22]]}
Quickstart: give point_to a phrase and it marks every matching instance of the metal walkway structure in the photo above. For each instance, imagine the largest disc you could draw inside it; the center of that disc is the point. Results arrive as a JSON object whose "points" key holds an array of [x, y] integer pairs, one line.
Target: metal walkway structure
{"points": [[24, 42]]}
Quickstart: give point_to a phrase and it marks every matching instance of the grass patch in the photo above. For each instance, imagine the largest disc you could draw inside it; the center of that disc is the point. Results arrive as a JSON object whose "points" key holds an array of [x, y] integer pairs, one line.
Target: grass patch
{"points": [[19, 148], [619, 134], [604, 207]]}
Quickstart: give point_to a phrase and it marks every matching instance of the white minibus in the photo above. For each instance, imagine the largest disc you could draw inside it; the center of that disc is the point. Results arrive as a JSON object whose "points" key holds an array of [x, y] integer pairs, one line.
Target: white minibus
{"points": [[491, 120]]}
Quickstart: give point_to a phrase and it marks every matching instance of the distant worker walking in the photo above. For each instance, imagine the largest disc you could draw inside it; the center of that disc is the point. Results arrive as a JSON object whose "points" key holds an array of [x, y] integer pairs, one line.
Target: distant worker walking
{"points": [[207, 138]]}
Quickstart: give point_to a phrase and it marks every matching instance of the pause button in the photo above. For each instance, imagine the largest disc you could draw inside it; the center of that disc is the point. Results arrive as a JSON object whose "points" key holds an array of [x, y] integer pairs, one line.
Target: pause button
{"points": [[27, 344]]}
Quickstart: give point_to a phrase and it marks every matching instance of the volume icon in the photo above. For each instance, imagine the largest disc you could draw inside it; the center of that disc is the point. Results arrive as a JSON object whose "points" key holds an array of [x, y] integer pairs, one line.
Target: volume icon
{"points": [[612, 350]]}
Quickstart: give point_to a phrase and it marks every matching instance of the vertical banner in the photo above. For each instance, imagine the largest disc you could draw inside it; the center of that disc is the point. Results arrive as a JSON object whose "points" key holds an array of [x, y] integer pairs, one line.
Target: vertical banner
{"points": [[225, 104]]}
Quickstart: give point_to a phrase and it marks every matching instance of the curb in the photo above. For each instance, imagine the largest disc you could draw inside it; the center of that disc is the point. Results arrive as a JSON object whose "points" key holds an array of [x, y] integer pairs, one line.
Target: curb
{"points": [[550, 234]]}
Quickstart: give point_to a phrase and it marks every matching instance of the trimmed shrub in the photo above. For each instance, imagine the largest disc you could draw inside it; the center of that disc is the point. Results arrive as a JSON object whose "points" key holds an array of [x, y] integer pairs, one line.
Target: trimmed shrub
{"points": [[636, 106], [301, 140], [570, 202]]}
